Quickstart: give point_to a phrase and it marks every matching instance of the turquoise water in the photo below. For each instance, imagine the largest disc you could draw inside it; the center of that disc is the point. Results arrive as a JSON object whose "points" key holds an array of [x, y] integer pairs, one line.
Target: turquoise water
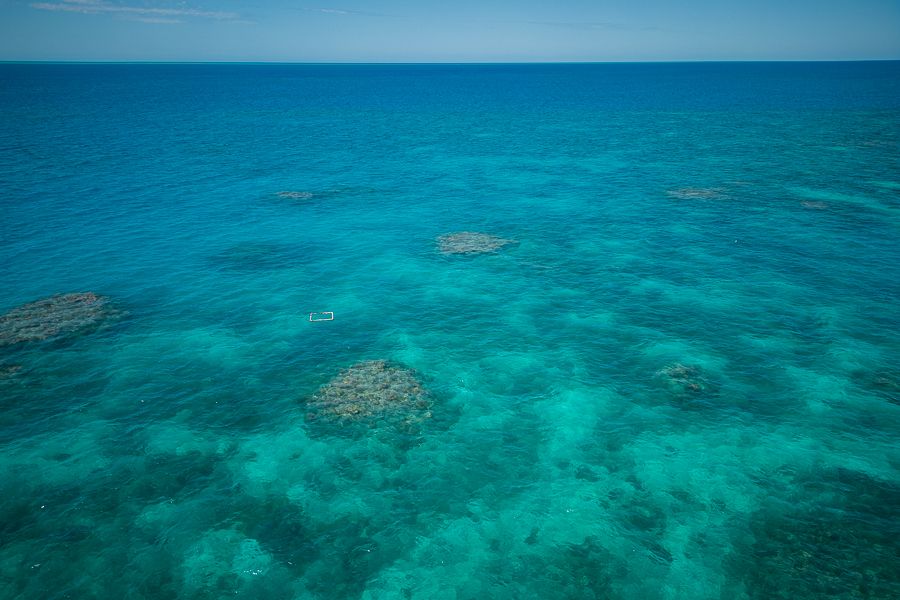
{"points": [[682, 381]]}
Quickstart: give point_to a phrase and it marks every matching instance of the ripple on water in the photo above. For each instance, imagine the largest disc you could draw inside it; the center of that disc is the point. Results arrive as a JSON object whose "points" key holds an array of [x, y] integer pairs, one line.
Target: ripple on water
{"points": [[611, 419]]}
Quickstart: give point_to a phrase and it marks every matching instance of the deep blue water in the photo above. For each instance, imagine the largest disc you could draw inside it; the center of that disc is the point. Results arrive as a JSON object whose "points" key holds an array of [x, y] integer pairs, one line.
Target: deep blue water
{"points": [[683, 381]]}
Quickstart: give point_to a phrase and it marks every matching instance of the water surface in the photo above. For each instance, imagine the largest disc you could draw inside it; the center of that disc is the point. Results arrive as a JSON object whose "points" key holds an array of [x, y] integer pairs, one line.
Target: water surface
{"points": [[681, 382]]}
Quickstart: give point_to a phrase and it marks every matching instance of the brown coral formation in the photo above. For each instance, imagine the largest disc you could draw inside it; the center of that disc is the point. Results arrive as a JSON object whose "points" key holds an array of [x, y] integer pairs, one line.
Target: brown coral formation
{"points": [[683, 378], [371, 390], [56, 316], [470, 242], [697, 193]]}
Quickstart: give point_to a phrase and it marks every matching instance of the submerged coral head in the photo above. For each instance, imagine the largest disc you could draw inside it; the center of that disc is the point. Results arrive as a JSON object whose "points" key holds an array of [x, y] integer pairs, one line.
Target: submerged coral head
{"points": [[697, 193], [682, 378], [292, 195], [470, 242]]}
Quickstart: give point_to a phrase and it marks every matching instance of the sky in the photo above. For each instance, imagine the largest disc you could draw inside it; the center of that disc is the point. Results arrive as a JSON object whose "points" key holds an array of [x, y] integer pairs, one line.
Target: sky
{"points": [[448, 30]]}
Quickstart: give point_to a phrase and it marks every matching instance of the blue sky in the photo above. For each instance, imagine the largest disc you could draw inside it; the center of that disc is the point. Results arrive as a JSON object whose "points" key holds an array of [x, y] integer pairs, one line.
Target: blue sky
{"points": [[449, 31]]}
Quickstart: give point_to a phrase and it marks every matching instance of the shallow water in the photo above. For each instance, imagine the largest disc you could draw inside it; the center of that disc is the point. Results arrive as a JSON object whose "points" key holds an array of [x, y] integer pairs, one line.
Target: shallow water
{"points": [[682, 381]]}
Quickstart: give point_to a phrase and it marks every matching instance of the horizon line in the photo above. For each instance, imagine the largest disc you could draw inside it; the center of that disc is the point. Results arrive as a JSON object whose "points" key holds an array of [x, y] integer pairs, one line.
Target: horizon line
{"points": [[400, 63]]}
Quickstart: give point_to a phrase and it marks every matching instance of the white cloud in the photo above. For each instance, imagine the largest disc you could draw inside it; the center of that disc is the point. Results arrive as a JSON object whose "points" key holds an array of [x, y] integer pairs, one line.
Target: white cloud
{"points": [[92, 7]]}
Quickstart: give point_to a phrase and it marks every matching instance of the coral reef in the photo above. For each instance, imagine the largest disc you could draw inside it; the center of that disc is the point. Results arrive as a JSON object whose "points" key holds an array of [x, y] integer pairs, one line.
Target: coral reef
{"points": [[697, 193], [371, 390], [814, 204], [470, 242], [683, 379], [290, 195], [56, 316]]}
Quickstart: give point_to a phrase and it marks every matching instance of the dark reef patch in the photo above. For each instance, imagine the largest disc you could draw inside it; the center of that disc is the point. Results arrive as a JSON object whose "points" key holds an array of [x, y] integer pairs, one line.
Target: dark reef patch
{"points": [[319, 196], [883, 383], [585, 571], [173, 476], [262, 256], [281, 528], [844, 545]]}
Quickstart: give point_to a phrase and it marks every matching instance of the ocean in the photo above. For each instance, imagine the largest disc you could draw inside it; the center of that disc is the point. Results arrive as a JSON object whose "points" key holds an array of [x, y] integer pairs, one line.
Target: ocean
{"points": [[669, 369]]}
